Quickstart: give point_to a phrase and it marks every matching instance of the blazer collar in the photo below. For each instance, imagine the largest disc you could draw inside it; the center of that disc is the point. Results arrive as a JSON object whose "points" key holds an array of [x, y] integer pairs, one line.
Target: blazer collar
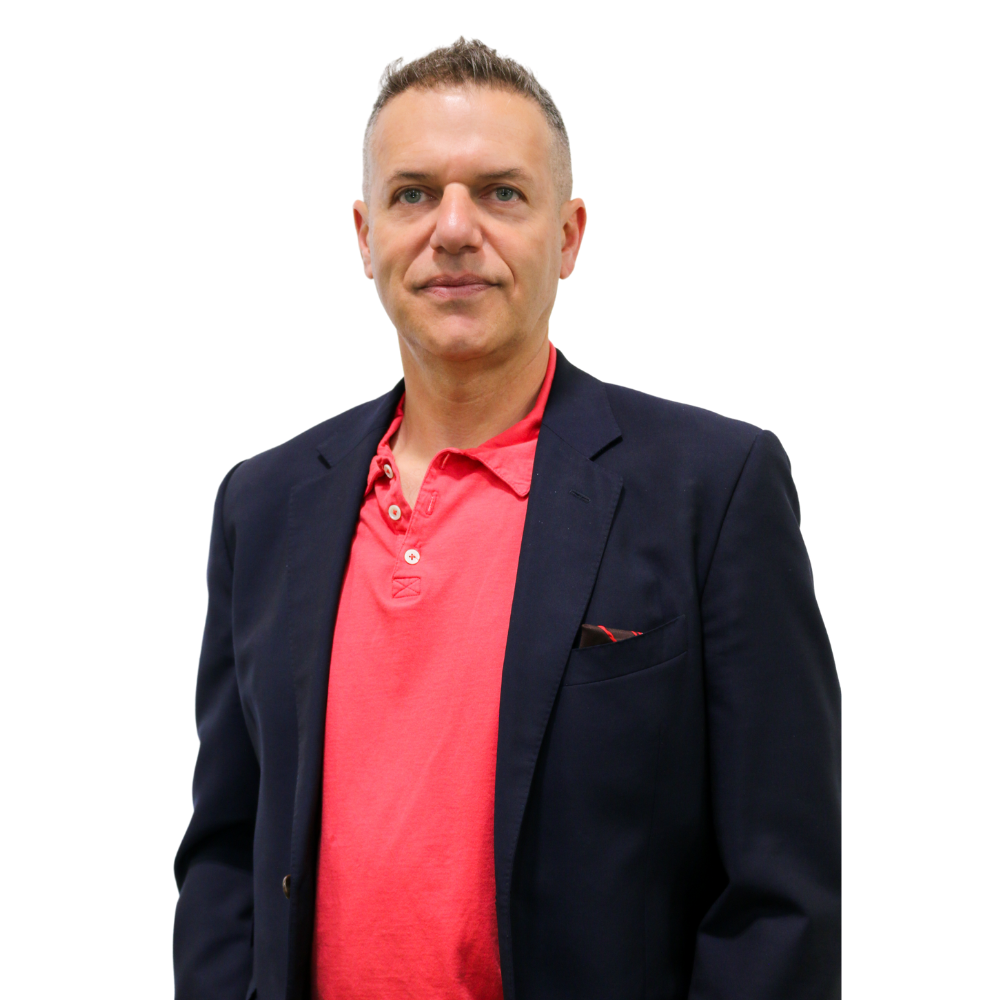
{"points": [[578, 410], [349, 432]]}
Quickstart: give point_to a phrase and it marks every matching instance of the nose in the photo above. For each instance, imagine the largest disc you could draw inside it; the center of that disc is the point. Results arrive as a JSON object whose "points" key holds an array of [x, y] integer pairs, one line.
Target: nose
{"points": [[456, 229]]}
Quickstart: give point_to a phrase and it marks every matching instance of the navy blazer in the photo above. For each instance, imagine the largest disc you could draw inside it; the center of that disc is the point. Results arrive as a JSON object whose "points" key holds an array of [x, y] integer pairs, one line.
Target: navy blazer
{"points": [[667, 808]]}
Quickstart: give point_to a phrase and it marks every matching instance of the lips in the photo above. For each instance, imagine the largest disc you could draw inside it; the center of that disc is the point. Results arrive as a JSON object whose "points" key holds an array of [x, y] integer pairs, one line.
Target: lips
{"points": [[456, 286]]}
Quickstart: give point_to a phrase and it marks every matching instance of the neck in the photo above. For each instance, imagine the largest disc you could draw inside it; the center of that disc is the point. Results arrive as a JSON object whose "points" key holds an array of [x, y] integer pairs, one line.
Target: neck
{"points": [[461, 404]]}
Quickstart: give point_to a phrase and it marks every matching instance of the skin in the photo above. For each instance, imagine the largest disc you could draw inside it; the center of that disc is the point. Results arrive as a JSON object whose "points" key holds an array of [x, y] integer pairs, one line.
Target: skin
{"points": [[466, 239]]}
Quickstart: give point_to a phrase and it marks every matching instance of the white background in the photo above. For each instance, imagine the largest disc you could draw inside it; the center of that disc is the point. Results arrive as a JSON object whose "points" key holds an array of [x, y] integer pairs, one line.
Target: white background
{"points": [[794, 219]]}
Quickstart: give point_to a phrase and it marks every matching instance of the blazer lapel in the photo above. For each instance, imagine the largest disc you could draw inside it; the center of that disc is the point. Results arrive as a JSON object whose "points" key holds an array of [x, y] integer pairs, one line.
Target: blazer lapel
{"points": [[322, 516], [570, 510]]}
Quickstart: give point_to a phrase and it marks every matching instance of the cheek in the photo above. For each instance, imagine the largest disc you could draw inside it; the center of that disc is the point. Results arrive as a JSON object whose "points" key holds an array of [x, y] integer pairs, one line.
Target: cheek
{"points": [[534, 261], [387, 244], [394, 254]]}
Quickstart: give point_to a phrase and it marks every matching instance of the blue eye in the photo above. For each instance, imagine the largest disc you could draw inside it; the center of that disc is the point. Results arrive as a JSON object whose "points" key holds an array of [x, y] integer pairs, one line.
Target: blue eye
{"points": [[411, 196], [505, 194]]}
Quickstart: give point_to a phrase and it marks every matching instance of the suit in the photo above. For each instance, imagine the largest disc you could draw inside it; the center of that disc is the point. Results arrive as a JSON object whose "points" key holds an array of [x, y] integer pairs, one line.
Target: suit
{"points": [[666, 819]]}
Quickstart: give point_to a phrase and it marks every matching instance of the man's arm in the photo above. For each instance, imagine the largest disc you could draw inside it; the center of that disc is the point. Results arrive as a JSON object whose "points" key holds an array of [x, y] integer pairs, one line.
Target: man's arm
{"points": [[214, 866], [774, 753]]}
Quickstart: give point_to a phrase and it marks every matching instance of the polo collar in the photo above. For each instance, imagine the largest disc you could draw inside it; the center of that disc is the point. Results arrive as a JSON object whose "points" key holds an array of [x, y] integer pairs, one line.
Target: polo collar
{"points": [[510, 456]]}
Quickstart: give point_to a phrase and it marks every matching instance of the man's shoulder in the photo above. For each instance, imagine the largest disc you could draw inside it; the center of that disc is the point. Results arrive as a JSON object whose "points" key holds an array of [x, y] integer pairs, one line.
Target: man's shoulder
{"points": [[691, 436], [656, 415], [274, 472], [676, 454]]}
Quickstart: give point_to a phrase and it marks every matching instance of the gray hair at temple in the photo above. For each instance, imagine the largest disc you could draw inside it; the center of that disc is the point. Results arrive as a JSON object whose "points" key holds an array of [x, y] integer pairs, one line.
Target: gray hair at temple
{"points": [[473, 63]]}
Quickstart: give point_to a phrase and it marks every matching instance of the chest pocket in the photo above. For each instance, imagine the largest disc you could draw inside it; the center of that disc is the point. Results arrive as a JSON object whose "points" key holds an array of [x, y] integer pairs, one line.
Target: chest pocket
{"points": [[628, 656]]}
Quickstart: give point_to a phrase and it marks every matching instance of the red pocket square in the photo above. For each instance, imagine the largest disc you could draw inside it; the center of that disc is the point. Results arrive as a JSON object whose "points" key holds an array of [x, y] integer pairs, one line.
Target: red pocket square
{"points": [[595, 635]]}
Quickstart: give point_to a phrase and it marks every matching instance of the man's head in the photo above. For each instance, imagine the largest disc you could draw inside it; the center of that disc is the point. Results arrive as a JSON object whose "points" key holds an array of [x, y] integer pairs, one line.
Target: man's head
{"points": [[467, 224]]}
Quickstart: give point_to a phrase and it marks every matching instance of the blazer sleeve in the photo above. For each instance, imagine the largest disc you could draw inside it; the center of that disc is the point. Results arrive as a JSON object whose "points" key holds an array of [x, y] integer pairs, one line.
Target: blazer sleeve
{"points": [[213, 926], [773, 705]]}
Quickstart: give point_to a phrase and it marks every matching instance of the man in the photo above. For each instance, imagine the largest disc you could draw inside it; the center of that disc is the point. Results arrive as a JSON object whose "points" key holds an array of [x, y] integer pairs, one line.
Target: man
{"points": [[513, 682]]}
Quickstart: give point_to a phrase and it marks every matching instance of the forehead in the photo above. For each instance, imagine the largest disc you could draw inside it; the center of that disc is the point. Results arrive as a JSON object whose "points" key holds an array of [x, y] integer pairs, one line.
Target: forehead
{"points": [[458, 129]]}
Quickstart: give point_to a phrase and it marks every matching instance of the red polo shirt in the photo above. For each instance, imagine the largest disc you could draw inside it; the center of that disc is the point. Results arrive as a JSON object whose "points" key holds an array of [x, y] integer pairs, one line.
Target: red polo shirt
{"points": [[406, 899]]}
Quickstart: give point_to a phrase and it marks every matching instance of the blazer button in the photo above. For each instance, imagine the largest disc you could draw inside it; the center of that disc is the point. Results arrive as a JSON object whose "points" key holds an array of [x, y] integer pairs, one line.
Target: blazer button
{"points": [[286, 886]]}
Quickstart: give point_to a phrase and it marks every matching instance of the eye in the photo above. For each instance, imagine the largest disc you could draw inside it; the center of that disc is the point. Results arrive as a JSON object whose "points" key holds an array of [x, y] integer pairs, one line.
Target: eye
{"points": [[505, 194], [411, 196]]}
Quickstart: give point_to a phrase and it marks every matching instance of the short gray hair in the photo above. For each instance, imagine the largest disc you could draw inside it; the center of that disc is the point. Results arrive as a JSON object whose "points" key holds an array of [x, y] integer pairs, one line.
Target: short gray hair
{"points": [[472, 64]]}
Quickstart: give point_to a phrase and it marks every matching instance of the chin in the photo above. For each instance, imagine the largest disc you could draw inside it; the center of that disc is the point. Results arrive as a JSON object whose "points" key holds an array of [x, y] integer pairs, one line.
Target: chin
{"points": [[460, 338]]}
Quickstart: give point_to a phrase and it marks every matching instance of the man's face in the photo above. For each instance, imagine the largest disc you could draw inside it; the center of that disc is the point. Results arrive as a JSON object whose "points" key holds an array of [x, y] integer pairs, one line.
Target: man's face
{"points": [[463, 231]]}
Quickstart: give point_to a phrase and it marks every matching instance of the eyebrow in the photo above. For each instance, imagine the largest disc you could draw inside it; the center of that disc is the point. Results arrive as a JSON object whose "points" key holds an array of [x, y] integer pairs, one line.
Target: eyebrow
{"points": [[513, 174], [407, 175]]}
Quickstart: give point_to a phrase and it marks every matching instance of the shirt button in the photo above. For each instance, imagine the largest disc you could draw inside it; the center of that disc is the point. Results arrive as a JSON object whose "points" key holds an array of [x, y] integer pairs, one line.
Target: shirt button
{"points": [[286, 886], [394, 512], [412, 556], [387, 469]]}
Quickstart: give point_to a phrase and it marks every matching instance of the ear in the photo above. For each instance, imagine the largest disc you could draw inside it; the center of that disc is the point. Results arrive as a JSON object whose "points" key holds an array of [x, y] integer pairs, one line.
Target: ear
{"points": [[573, 216], [361, 225]]}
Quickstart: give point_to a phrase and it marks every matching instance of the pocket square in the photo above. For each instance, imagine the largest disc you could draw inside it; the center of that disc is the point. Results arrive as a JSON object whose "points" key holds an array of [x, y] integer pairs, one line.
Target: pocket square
{"points": [[595, 635]]}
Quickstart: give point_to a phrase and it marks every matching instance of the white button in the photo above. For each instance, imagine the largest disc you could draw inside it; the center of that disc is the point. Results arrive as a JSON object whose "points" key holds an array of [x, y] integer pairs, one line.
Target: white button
{"points": [[387, 469], [394, 512], [411, 556]]}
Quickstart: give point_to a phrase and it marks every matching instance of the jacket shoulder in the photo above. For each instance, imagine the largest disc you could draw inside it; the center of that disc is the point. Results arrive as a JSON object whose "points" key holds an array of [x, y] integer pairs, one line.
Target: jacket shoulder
{"points": [[683, 465], [271, 474], [691, 434]]}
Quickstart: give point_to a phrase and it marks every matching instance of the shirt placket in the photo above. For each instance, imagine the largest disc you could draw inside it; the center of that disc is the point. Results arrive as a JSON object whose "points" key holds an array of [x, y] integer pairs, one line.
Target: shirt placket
{"points": [[409, 568]]}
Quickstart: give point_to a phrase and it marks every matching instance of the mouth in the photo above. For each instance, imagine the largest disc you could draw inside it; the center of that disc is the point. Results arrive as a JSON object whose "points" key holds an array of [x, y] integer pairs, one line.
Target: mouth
{"points": [[456, 286]]}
